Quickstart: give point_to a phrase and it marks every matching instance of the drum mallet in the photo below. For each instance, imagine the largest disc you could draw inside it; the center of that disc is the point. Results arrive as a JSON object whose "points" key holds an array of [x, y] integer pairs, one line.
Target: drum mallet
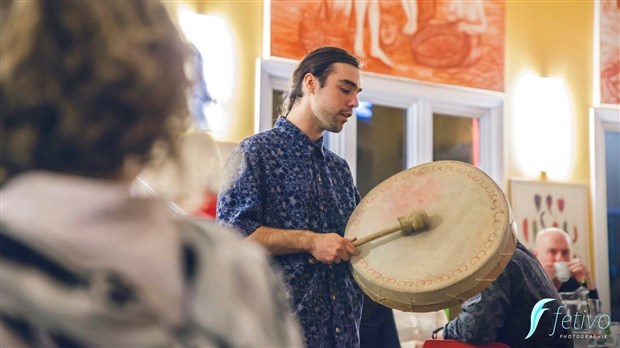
{"points": [[417, 221]]}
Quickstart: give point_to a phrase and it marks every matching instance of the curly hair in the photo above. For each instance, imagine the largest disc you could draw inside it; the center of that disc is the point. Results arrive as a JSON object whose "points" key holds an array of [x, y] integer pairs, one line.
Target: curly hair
{"points": [[87, 85]]}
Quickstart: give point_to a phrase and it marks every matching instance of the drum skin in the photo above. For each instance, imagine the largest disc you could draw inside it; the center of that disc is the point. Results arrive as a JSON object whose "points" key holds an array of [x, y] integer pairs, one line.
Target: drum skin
{"points": [[468, 244]]}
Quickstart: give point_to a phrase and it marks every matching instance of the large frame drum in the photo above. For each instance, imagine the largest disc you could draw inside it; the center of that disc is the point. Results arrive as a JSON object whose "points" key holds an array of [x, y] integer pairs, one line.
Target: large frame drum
{"points": [[468, 244]]}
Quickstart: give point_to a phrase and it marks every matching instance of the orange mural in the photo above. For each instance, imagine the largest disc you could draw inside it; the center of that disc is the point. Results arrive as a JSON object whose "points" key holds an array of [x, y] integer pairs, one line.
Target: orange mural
{"points": [[445, 41], [610, 51]]}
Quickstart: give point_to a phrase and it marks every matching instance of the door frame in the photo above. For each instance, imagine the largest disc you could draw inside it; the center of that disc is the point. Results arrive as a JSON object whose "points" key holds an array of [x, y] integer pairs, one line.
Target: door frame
{"points": [[602, 119]]}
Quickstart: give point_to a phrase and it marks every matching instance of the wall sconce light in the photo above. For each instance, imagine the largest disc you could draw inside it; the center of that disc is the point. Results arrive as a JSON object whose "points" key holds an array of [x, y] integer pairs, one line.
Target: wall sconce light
{"points": [[542, 127]]}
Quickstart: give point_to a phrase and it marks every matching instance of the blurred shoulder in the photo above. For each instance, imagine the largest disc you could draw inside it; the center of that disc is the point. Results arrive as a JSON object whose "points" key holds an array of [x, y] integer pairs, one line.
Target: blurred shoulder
{"points": [[236, 281], [205, 233]]}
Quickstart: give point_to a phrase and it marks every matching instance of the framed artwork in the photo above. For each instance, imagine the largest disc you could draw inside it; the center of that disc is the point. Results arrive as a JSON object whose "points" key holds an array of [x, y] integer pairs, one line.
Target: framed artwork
{"points": [[540, 204], [609, 46], [451, 42]]}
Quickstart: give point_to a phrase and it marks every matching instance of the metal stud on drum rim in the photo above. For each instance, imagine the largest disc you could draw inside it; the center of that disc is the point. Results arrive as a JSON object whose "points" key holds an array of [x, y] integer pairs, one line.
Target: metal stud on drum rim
{"points": [[468, 244]]}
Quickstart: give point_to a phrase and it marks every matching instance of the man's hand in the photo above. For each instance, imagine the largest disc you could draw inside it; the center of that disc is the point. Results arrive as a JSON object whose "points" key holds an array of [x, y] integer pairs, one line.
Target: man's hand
{"points": [[331, 248], [580, 272]]}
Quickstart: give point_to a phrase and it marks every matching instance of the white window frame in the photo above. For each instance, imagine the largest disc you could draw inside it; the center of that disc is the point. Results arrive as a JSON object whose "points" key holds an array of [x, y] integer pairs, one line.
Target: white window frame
{"points": [[420, 99], [602, 119]]}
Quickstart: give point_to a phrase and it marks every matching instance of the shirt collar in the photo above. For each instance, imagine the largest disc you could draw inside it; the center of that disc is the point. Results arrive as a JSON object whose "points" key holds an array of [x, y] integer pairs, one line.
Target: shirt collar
{"points": [[298, 139]]}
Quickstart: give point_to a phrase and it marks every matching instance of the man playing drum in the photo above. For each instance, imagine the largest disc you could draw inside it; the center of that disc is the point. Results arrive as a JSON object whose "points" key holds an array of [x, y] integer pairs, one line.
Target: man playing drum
{"points": [[293, 196]]}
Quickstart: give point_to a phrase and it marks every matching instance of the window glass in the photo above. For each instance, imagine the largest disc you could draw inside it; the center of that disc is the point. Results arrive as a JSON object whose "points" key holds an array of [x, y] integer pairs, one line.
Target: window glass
{"points": [[380, 144], [456, 138], [276, 98], [612, 167]]}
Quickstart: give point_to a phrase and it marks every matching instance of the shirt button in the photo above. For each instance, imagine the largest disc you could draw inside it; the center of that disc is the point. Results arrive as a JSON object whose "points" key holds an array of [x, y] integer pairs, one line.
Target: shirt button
{"points": [[337, 330], [333, 297]]}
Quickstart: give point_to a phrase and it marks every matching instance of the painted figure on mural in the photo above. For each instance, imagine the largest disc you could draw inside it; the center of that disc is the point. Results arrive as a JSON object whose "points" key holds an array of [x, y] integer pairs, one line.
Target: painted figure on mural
{"points": [[471, 20], [460, 23], [442, 41], [610, 51], [373, 10], [410, 7]]}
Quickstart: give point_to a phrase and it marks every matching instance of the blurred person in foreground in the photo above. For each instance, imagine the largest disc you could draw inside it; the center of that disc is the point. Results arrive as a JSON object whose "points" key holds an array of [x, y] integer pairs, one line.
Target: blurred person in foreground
{"points": [[86, 89], [554, 245]]}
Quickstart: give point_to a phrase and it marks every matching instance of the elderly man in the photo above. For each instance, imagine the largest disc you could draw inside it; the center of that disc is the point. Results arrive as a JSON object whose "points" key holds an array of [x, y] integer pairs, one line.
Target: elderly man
{"points": [[554, 245]]}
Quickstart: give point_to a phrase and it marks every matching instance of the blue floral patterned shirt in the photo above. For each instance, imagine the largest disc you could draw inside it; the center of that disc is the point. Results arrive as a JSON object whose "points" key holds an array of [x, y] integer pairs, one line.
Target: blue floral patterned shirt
{"points": [[281, 179], [502, 312]]}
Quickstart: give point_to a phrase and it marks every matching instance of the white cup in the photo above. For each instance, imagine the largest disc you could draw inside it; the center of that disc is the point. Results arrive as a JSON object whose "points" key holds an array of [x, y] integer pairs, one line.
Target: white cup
{"points": [[561, 271]]}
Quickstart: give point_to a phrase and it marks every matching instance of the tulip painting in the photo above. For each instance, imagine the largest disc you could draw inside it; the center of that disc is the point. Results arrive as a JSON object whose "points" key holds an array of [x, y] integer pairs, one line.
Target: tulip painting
{"points": [[538, 205]]}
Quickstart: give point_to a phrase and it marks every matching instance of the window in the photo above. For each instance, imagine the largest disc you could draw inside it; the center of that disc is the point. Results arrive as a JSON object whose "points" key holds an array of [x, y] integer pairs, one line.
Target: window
{"points": [[456, 138], [276, 100], [605, 166], [380, 144], [406, 116]]}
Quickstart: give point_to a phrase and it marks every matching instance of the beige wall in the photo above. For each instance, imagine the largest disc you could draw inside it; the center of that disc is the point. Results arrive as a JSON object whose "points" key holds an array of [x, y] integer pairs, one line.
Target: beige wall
{"points": [[553, 39]]}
